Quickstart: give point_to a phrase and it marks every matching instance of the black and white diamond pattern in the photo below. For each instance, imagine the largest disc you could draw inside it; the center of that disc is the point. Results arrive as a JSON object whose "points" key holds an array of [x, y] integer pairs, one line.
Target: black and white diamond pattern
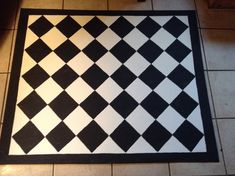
{"points": [[107, 84]]}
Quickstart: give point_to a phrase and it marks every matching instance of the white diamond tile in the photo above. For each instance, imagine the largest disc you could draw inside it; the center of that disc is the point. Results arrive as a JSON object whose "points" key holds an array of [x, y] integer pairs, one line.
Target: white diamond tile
{"points": [[81, 38], [30, 38], [170, 119], [194, 118], [141, 146], [109, 119], [108, 38], [24, 90], [51, 63], [79, 90], [32, 19], [137, 63], [53, 38], [82, 20], [15, 149], [163, 38], [135, 20], [168, 90], [108, 63], [75, 146], [140, 119], [191, 91], [161, 20], [135, 38], [108, 20], [201, 146], [77, 120], [27, 63], [80, 63], [188, 63], [138, 90], [173, 145], [46, 120], [108, 146], [49, 90], [44, 146], [185, 38], [109, 90], [165, 63], [54, 19]]}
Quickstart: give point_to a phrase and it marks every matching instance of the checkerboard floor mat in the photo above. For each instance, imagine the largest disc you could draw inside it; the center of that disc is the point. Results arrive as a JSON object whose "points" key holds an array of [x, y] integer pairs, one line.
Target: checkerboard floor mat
{"points": [[102, 87]]}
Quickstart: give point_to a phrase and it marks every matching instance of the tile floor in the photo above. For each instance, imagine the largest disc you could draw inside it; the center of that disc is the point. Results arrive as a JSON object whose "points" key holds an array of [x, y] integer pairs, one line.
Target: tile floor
{"points": [[217, 29]]}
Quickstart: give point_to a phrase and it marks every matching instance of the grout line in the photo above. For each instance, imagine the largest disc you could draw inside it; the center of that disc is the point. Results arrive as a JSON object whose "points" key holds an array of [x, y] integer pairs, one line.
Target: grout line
{"points": [[107, 4], [225, 118], [227, 29], [53, 170], [62, 4], [152, 4], [169, 168], [7, 29], [215, 70], [2, 73], [111, 169]]}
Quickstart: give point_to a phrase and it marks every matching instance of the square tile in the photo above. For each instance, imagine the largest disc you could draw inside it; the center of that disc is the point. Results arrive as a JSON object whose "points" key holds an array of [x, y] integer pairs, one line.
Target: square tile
{"points": [[3, 78], [140, 169], [173, 5], [219, 48], [129, 5], [222, 84], [5, 49], [8, 14], [227, 134], [85, 5], [185, 169], [26, 170], [214, 18], [82, 169]]}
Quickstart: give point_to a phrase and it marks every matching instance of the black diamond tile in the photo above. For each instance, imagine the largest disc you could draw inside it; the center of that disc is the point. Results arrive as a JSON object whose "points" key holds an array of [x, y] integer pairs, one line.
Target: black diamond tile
{"points": [[94, 104], [150, 51], [188, 135], [95, 50], [38, 50], [148, 27], [181, 76], [95, 27], [28, 137], [184, 104], [92, 136], [156, 135], [32, 104], [152, 77], [123, 76], [178, 50], [125, 135], [67, 50], [35, 76], [60, 136], [65, 76], [41, 26], [154, 104], [94, 76], [124, 104], [121, 27], [122, 51], [68, 26], [63, 105], [175, 26]]}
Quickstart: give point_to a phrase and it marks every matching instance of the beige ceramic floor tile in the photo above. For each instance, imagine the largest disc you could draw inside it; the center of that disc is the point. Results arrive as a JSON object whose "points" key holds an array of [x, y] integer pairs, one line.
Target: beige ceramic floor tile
{"points": [[219, 48], [215, 18], [26, 170], [223, 91], [82, 170], [129, 5], [5, 49], [227, 133], [86, 5], [3, 78], [173, 5], [140, 169], [188, 169], [7, 15]]}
